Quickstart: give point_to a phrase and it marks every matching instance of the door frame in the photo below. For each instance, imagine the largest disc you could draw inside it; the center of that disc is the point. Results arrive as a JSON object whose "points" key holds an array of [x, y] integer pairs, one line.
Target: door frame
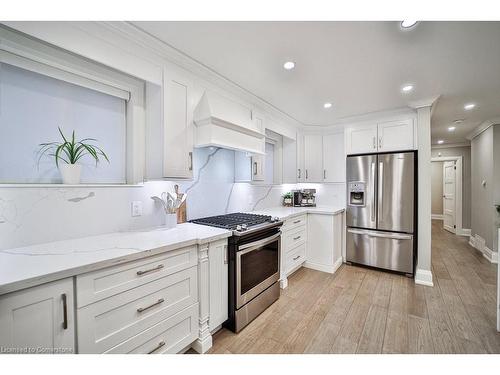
{"points": [[458, 191]]}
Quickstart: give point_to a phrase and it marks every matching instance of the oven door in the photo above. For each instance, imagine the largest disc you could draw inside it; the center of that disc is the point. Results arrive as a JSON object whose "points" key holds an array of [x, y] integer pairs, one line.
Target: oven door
{"points": [[257, 267]]}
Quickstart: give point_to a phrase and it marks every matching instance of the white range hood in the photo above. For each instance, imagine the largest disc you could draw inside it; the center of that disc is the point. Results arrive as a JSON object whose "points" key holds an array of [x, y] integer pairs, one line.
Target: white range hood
{"points": [[221, 122]]}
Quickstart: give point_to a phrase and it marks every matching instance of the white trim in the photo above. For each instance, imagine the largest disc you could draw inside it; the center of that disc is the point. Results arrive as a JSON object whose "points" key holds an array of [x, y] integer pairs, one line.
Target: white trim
{"points": [[324, 267], [477, 242], [427, 102], [464, 232], [451, 145], [458, 188], [437, 217], [423, 277], [498, 286], [485, 125]]}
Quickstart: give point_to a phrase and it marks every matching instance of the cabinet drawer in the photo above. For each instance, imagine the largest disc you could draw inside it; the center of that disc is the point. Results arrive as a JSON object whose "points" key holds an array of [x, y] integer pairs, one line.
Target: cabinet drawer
{"points": [[95, 286], [295, 222], [106, 323], [295, 258], [294, 237], [168, 336]]}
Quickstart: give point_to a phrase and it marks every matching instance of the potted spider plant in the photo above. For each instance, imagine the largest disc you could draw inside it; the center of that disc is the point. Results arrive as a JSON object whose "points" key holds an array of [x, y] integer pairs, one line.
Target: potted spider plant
{"points": [[69, 151]]}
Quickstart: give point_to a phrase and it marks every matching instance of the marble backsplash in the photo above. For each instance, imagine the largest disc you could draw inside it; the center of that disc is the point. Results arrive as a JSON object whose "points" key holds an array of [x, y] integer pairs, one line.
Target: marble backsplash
{"points": [[30, 215]]}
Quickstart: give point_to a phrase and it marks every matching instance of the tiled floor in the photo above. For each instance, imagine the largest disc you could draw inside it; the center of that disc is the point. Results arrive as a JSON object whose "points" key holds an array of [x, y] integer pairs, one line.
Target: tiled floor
{"points": [[360, 310]]}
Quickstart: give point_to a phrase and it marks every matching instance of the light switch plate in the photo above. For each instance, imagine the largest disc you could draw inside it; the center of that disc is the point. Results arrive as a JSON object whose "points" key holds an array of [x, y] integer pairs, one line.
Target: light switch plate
{"points": [[136, 208]]}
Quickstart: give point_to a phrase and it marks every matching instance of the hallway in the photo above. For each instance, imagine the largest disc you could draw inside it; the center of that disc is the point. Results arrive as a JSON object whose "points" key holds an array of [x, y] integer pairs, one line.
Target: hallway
{"points": [[360, 310]]}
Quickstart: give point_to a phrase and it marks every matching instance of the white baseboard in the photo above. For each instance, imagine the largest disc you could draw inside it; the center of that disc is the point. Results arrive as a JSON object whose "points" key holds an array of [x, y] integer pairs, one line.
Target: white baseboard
{"points": [[423, 277], [437, 217], [464, 232], [284, 283], [478, 243], [330, 268]]}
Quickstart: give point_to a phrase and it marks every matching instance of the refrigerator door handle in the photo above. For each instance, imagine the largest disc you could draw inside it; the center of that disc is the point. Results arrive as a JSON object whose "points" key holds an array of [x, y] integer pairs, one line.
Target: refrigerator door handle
{"points": [[395, 236], [372, 208], [380, 189]]}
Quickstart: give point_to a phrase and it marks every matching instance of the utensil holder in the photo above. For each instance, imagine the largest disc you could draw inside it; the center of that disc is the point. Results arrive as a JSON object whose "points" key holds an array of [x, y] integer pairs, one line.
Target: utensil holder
{"points": [[171, 220]]}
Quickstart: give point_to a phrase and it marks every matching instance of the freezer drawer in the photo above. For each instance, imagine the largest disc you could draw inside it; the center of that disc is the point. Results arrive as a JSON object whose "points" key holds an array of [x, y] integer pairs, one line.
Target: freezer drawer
{"points": [[391, 251]]}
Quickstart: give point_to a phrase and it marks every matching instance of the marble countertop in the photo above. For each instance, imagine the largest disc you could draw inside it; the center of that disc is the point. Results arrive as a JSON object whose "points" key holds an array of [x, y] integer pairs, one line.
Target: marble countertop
{"points": [[37, 264], [288, 212]]}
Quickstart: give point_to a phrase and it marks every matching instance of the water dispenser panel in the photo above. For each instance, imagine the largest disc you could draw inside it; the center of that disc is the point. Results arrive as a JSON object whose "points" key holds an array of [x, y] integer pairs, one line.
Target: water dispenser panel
{"points": [[357, 193]]}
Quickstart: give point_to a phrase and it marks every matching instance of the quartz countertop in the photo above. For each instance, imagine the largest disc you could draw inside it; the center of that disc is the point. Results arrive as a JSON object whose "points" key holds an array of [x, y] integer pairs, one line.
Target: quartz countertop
{"points": [[288, 212], [28, 266]]}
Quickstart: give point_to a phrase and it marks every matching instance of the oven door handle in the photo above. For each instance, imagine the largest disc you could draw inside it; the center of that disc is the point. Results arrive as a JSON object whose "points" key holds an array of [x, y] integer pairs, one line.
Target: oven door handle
{"points": [[246, 248]]}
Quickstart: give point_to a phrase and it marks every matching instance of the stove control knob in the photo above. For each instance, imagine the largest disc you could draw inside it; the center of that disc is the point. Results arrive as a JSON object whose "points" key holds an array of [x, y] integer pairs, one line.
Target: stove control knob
{"points": [[276, 219], [238, 228], [244, 227]]}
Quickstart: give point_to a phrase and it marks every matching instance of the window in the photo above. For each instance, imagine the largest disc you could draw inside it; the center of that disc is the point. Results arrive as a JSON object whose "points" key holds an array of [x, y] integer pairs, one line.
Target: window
{"points": [[32, 106]]}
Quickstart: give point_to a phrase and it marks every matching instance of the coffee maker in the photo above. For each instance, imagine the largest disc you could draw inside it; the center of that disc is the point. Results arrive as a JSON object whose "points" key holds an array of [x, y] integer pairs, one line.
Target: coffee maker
{"points": [[304, 198]]}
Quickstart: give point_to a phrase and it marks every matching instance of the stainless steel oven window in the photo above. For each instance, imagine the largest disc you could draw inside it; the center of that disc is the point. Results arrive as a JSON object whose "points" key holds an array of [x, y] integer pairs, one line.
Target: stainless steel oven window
{"points": [[257, 267]]}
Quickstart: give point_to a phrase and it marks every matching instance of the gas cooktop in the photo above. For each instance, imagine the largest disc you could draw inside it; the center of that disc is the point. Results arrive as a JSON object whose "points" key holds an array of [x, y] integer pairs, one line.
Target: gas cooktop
{"points": [[236, 221]]}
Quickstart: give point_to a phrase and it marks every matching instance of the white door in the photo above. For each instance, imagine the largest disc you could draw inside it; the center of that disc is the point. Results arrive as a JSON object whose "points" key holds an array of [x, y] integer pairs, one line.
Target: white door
{"points": [[361, 139], [313, 157], [333, 158], [395, 136], [39, 317], [449, 195], [177, 125]]}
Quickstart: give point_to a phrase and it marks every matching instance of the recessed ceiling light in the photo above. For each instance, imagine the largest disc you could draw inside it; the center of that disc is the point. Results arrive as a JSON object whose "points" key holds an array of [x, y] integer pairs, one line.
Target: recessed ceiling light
{"points": [[440, 142], [327, 105], [289, 65], [458, 121], [406, 24], [452, 128], [469, 106], [407, 88]]}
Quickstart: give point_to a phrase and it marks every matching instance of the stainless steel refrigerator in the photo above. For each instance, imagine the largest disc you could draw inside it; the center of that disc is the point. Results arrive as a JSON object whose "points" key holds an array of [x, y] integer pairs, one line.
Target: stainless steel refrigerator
{"points": [[381, 210]]}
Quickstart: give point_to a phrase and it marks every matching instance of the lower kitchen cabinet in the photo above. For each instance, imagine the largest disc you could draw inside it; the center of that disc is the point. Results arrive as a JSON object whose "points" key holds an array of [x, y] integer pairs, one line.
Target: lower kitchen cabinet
{"points": [[218, 269], [324, 245], [39, 319]]}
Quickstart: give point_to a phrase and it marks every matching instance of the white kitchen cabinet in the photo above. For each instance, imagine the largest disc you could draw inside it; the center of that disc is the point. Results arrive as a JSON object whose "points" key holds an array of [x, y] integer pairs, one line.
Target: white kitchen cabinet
{"points": [[386, 136], [313, 157], [177, 124], [395, 135], [324, 242], [333, 158], [361, 139], [300, 158], [290, 171], [39, 318], [218, 260]]}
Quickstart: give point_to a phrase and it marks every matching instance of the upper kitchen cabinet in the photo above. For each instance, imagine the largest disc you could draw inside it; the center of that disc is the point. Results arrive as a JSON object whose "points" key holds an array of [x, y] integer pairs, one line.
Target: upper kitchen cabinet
{"points": [[313, 157], [177, 124], [333, 158], [380, 137]]}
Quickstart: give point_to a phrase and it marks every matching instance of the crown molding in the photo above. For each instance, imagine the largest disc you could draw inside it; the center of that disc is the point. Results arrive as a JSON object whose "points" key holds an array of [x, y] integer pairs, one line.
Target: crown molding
{"points": [[451, 145], [485, 125], [426, 102]]}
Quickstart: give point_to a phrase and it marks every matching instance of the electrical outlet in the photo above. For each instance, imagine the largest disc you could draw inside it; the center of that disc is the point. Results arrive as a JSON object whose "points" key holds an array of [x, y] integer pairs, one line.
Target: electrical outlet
{"points": [[136, 208]]}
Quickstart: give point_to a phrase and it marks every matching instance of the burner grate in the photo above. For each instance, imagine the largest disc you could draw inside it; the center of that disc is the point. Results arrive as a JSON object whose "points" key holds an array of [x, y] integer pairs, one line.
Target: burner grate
{"points": [[230, 221]]}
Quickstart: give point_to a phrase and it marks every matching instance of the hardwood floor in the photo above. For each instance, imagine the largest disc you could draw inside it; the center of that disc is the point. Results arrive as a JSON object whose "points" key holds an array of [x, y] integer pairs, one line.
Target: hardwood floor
{"points": [[359, 310]]}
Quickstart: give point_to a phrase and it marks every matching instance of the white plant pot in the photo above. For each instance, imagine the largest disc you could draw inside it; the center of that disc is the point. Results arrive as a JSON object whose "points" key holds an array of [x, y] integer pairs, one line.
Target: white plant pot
{"points": [[170, 220], [70, 173]]}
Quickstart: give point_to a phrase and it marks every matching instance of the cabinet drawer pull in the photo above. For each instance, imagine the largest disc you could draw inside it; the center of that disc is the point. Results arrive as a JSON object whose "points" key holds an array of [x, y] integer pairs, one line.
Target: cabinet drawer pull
{"points": [[160, 344], [141, 309], [297, 221], [297, 257], [65, 311], [296, 238], [158, 267]]}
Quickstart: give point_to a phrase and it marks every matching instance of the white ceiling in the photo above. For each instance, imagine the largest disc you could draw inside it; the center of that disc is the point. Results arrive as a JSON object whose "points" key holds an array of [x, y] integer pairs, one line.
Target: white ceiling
{"points": [[358, 66]]}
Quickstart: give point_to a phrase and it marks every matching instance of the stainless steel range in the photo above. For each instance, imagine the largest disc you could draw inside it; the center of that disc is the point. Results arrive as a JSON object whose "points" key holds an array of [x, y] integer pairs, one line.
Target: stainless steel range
{"points": [[254, 264]]}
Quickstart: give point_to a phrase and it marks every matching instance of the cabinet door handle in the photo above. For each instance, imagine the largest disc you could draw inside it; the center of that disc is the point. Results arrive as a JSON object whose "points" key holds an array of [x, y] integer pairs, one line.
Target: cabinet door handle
{"points": [[143, 272], [160, 344], [300, 174], [296, 238], [374, 143], [380, 142], [297, 257], [324, 174], [297, 221], [306, 175], [226, 255], [255, 168], [190, 161], [141, 309], [65, 311]]}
